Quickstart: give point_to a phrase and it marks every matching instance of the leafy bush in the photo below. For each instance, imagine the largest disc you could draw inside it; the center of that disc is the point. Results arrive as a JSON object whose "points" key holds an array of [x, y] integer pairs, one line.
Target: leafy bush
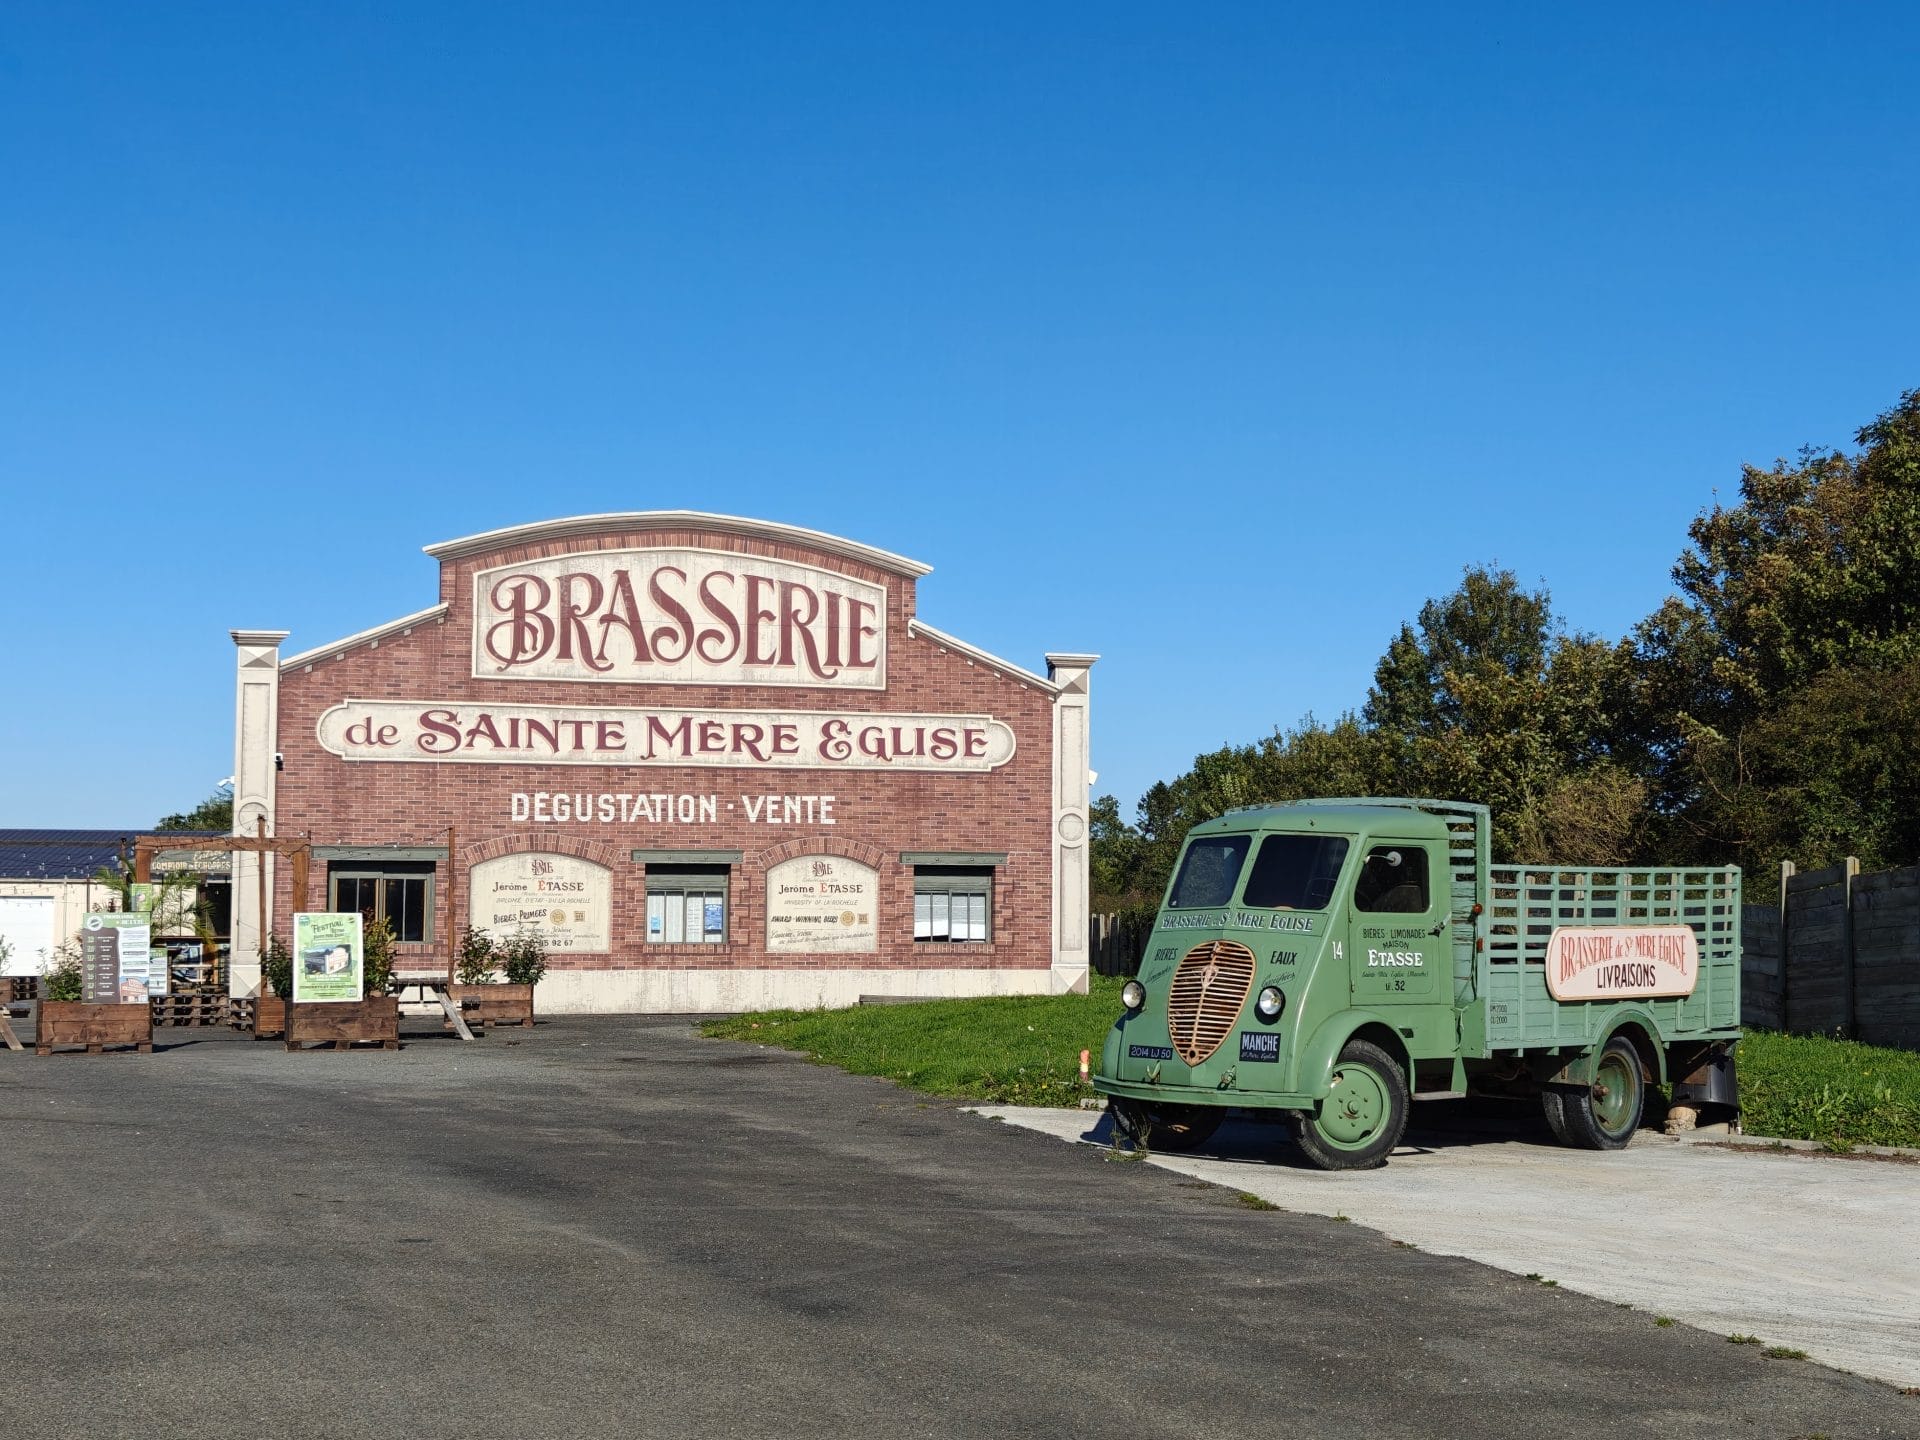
{"points": [[276, 967], [477, 957], [524, 957], [62, 978], [379, 957]]}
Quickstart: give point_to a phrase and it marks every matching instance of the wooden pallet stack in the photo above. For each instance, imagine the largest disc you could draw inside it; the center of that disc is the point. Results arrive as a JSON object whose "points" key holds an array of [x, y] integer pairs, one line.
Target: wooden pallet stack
{"points": [[19, 989], [240, 1011], [191, 1010]]}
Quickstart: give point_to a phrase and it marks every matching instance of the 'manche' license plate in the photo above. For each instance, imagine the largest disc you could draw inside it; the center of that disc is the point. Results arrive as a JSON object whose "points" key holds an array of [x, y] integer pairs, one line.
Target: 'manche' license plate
{"points": [[1261, 1045], [1149, 1052]]}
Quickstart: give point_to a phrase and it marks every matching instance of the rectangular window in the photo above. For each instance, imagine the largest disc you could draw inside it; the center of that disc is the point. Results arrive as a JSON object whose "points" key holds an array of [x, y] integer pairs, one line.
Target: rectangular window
{"points": [[1208, 872], [397, 890], [952, 903], [1392, 881], [687, 904]]}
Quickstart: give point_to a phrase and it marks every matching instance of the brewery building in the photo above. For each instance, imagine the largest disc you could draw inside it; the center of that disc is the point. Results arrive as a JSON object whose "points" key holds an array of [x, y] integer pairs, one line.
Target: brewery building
{"points": [[715, 764]]}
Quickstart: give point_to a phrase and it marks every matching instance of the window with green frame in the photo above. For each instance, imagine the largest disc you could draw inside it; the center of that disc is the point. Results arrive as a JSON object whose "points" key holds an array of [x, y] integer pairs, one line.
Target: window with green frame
{"points": [[687, 904], [397, 890], [952, 903]]}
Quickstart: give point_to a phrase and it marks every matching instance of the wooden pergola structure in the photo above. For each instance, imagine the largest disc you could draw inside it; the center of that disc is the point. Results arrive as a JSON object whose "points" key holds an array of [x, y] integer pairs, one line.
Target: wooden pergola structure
{"points": [[434, 983], [145, 847]]}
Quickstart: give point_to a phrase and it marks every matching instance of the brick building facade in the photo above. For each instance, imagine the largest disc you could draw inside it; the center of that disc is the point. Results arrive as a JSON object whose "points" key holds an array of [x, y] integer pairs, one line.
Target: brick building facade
{"points": [[716, 763]]}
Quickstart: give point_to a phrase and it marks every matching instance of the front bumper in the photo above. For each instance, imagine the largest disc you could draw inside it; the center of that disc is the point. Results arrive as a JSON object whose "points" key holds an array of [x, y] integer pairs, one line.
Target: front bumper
{"points": [[1201, 1095]]}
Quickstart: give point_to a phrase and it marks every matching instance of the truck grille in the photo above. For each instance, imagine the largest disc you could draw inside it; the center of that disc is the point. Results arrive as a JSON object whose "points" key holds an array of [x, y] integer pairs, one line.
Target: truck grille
{"points": [[1204, 1001]]}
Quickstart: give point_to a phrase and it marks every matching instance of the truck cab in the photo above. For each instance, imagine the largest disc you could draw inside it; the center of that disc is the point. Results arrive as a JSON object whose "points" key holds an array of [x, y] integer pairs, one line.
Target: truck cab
{"points": [[1324, 959]]}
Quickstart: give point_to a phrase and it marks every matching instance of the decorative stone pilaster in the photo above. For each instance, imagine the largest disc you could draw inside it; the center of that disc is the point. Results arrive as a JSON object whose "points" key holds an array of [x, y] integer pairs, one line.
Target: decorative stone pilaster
{"points": [[256, 739], [1071, 756]]}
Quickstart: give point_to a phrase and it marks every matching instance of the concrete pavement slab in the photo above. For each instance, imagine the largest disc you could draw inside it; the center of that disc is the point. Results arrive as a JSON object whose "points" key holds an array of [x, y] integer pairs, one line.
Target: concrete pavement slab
{"points": [[1811, 1252]]}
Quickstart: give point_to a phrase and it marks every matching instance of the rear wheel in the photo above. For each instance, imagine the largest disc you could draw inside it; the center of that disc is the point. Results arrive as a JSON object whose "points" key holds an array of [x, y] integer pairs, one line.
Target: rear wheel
{"points": [[1362, 1118], [1170, 1128], [1604, 1115]]}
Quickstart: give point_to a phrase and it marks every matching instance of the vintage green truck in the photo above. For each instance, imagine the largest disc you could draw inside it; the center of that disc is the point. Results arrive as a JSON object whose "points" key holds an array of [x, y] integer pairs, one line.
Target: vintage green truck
{"points": [[1332, 960]]}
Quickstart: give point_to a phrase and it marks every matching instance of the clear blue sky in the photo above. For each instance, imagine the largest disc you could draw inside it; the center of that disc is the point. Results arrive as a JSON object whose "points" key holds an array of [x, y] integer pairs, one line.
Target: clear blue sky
{"points": [[1212, 339]]}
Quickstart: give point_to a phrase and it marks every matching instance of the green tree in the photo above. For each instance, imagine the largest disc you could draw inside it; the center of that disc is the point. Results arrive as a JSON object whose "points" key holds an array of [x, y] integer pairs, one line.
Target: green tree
{"points": [[213, 813], [1490, 700], [1797, 607]]}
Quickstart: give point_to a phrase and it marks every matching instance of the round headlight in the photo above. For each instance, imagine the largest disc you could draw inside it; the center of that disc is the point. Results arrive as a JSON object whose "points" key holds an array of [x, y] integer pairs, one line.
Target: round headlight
{"points": [[1270, 1003], [1133, 994]]}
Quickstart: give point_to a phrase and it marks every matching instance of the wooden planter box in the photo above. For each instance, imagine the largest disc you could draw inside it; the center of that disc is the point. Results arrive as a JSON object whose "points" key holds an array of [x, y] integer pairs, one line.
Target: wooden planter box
{"points": [[269, 1016], [485, 1005], [74, 1022], [374, 1021]]}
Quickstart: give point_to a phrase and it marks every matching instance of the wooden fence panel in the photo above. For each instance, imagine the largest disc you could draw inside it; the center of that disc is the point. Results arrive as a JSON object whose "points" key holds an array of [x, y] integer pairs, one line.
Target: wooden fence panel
{"points": [[1849, 961], [1117, 942]]}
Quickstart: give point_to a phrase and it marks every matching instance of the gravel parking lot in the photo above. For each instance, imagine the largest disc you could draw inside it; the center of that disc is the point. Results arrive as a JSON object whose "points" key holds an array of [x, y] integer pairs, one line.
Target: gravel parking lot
{"points": [[611, 1227]]}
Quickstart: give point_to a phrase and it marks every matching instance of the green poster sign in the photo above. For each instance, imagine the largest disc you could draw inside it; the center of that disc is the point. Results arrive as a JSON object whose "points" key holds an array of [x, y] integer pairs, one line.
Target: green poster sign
{"points": [[118, 965], [328, 957]]}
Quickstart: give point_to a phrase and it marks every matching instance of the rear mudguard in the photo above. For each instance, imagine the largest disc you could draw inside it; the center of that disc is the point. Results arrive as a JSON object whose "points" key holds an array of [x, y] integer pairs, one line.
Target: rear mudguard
{"points": [[1579, 1066]]}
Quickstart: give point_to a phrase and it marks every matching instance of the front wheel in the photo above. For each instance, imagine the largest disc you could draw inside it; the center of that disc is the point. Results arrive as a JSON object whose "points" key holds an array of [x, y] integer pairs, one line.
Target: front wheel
{"points": [[1357, 1126], [1604, 1115], [1169, 1128]]}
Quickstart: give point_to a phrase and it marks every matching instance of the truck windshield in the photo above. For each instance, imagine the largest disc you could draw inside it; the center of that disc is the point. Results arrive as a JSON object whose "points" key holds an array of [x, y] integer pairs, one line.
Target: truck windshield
{"points": [[1208, 872], [1296, 872]]}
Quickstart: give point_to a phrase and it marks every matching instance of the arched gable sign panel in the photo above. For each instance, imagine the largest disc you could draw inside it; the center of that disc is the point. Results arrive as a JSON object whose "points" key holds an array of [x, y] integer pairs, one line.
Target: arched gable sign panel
{"points": [[566, 901]]}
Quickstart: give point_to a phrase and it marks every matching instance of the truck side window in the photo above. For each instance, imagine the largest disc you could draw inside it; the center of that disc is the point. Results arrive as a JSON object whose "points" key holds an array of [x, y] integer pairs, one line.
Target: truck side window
{"points": [[1392, 881]]}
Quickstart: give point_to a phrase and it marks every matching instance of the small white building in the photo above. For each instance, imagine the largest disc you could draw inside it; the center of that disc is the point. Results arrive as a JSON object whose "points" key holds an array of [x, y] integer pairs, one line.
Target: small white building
{"points": [[49, 881]]}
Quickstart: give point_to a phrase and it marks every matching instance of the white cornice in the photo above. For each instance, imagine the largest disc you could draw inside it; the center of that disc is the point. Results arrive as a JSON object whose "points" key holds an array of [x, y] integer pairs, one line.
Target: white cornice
{"points": [[676, 520], [921, 630], [367, 637]]}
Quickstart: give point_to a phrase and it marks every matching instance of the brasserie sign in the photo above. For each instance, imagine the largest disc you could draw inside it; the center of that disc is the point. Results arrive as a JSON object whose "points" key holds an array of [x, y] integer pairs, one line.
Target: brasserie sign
{"points": [[678, 616]]}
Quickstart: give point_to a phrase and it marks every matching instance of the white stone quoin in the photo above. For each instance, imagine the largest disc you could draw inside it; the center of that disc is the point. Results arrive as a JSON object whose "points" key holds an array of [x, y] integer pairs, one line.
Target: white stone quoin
{"points": [[256, 739], [1072, 752]]}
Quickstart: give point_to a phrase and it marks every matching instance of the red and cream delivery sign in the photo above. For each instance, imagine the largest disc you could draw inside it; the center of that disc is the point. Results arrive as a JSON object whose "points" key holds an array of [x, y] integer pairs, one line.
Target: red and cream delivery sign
{"points": [[1622, 961], [679, 616]]}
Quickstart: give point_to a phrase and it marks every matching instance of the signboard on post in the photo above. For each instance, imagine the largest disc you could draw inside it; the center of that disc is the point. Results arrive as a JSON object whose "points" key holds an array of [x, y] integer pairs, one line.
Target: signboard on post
{"points": [[329, 957], [116, 961]]}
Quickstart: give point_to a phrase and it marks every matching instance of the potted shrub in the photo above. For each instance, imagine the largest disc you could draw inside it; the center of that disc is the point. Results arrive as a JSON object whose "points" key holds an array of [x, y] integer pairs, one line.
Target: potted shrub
{"points": [[63, 1018], [488, 1001]]}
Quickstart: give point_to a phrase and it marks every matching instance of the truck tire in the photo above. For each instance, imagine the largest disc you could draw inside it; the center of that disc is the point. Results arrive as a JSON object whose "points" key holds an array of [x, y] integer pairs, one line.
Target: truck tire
{"points": [[1172, 1129], [1602, 1116], [1358, 1125]]}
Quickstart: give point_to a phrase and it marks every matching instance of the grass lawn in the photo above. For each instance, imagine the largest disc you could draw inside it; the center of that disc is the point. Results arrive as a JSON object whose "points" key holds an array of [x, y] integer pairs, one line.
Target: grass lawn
{"points": [[1025, 1050], [1839, 1092], [1016, 1050]]}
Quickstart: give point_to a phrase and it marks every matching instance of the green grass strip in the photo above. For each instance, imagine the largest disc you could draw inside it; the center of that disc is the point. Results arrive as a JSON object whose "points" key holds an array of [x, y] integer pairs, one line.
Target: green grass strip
{"points": [[1016, 1050], [1837, 1092]]}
